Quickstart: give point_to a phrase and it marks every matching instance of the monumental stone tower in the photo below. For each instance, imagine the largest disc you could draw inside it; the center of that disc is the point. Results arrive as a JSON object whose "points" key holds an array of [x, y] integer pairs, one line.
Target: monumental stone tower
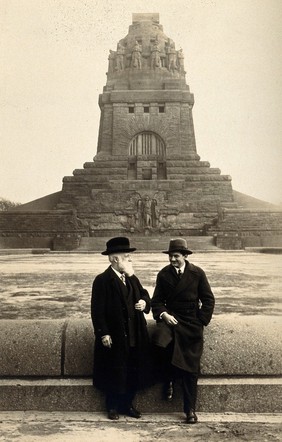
{"points": [[147, 180], [147, 177]]}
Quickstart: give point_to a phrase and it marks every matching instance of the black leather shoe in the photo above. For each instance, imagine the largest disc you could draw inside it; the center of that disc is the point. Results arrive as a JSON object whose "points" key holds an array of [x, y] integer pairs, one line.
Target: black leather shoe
{"points": [[191, 417], [132, 412], [168, 391], [113, 415]]}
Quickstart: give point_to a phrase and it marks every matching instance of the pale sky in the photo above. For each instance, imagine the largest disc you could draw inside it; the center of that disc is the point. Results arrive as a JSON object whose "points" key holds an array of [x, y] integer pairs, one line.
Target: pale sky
{"points": [[53, 57]]}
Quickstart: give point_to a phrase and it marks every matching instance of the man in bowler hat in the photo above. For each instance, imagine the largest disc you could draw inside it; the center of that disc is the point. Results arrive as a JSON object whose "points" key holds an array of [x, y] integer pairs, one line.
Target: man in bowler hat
{"points": [[118, 305], [182, 304]]}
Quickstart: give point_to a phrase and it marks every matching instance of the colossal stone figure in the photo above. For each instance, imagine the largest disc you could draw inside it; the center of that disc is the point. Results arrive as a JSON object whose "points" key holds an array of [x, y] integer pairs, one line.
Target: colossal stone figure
{"points": [[120, 57], [172, 57], [136, 60], [155, 55], [111, 59], [180, 59]]}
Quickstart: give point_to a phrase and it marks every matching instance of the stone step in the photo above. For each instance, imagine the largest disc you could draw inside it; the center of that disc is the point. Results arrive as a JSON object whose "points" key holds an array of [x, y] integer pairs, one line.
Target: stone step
{"points": [[215, 395], [149, 243]]}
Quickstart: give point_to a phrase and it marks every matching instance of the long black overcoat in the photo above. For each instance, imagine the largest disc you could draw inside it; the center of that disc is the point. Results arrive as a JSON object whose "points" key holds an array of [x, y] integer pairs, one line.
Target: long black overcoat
{"points": [[191, 301], [110, 317]]}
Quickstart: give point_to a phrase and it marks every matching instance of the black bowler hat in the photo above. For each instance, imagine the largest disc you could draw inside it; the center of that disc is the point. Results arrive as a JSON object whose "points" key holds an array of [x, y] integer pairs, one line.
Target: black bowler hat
{"points": [[178, 245], [119, 244]]}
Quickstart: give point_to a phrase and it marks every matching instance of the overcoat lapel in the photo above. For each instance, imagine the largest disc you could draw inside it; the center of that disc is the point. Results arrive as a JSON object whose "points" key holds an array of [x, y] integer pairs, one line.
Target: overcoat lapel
{"points": [[118, 286], [187, 278], [181, 284]]}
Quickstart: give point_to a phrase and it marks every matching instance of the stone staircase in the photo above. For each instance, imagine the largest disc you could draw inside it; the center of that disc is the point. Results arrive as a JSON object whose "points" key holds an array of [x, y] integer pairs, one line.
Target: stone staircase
{"points": [[148, 243]]}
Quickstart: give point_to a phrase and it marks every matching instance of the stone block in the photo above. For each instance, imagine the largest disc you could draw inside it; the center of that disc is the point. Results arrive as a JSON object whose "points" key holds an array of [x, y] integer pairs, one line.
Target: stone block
{"points": [[242, 345], [258, 353], [31, 348], [79, 345], [50, 395]]}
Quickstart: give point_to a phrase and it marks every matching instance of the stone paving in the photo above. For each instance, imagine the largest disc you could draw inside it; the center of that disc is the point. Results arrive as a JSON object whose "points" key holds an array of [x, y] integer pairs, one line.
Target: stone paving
{"points": [[88, 427], [54, 285]]}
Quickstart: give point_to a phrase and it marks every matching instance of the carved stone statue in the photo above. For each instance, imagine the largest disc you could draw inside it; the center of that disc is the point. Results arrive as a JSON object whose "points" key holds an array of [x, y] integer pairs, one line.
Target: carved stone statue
{"points": [[155, 55], [136, 60], [146, 212], [172, 57], [120, 57]]}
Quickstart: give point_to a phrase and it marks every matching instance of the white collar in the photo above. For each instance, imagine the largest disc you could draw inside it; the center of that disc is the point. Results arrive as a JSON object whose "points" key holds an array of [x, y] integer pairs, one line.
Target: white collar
{"points": [[182, 268], [117, 272]]}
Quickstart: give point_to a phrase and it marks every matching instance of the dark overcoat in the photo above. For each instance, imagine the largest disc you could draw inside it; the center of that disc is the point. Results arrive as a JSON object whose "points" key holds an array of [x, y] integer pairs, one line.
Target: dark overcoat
{"points": [[110, 316], [191, 301]]}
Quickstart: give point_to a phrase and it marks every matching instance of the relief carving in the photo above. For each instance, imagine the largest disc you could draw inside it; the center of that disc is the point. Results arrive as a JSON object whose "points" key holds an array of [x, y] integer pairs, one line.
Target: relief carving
{"points": [[146, 212]]}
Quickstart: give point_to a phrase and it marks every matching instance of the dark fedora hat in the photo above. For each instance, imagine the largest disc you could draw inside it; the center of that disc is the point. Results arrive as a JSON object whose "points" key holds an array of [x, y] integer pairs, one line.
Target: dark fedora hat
{"points": [[178, 245], [119, 244]]}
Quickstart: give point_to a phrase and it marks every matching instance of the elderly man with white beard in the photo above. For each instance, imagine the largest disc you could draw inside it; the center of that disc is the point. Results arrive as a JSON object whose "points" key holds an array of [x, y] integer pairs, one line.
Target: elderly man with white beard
{"points": [[121, 348]]}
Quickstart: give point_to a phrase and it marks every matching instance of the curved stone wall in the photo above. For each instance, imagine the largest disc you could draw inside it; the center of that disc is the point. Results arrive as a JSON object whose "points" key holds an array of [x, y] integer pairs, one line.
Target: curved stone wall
{"points": [[47, 365], [234, 346]]}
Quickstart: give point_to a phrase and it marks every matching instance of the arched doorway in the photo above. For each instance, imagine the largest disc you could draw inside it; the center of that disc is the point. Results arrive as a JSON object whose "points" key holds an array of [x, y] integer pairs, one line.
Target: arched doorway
{"points": [[146, 157]]}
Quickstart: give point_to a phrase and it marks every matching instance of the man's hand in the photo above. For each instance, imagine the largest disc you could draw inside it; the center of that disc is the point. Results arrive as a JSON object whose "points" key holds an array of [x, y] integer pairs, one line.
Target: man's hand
{"points": [[140, 305], [107, 341], [169, 319]]}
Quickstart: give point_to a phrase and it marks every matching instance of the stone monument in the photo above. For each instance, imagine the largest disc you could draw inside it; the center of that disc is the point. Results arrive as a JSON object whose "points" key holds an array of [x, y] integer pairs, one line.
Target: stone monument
{"points": [[147, 179]]}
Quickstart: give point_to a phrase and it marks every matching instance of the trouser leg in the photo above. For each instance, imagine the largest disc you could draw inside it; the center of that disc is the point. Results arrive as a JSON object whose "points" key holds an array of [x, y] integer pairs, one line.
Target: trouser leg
{"points": [[163, 356], [113, 401], [165, 371], [131, 386], [189, 383], [128, 399]]}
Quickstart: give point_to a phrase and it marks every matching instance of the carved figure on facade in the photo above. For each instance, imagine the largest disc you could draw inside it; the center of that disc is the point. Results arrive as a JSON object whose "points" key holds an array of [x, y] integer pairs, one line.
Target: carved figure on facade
{"points": [[155, 54], [172, 57], [120, 57], [140, 218], [131, 222], [136, 59], [146, 212], [164, 224], [180, 59]]}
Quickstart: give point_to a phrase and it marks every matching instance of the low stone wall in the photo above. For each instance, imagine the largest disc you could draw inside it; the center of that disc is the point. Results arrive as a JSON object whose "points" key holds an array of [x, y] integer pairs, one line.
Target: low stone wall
{"points": [[240, 228], [58, 230], [47, 365]]}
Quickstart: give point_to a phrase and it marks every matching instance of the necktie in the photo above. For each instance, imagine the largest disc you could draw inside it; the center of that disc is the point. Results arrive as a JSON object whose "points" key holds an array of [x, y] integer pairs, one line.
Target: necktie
{"points": [[179, 273], [122, 277]]}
